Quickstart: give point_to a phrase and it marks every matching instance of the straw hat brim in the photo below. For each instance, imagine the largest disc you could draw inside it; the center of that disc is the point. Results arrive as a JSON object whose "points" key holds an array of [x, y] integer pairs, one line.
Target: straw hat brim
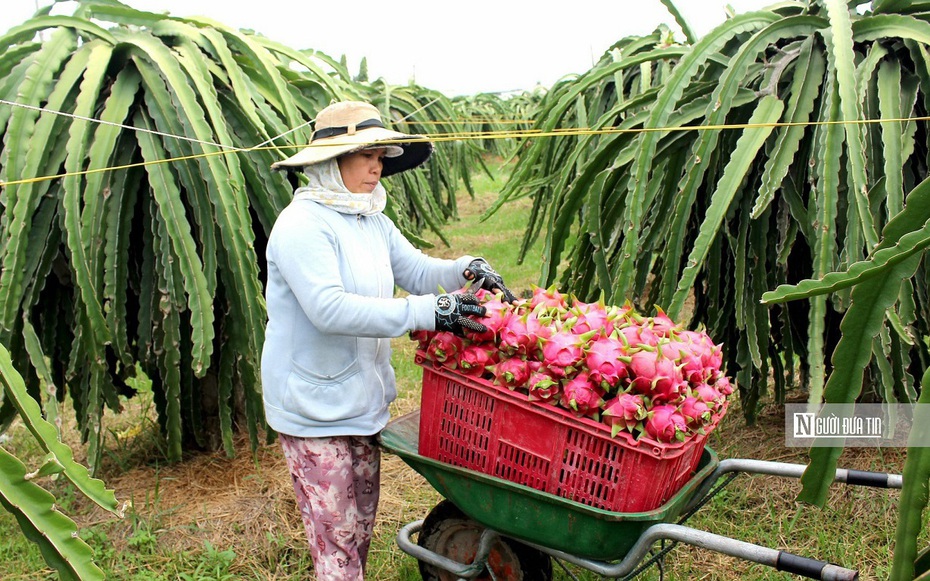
{"points": [[416, 150]]}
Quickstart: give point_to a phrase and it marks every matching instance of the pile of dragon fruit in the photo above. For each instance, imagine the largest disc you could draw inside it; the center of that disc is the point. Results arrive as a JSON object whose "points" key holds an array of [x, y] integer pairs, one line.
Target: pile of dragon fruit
{"points": [[644, 375]]}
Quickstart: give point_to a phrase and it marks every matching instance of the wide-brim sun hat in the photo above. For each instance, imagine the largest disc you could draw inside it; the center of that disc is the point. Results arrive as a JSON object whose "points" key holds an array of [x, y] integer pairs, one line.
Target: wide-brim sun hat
{"points": [[350, 126]]}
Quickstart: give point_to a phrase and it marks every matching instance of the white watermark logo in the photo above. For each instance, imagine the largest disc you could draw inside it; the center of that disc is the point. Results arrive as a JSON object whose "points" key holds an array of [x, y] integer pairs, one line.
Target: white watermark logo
{"points": [[854, 425], [811, 425]]}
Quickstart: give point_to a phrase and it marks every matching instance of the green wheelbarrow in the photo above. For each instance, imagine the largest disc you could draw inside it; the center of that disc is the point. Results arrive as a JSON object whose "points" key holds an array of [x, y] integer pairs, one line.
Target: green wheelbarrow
{"points": [[490, 528]]}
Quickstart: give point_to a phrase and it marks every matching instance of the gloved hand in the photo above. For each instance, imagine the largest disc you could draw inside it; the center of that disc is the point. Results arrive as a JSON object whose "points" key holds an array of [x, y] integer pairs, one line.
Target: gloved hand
{"points": [[452, 311], [483, 276]]}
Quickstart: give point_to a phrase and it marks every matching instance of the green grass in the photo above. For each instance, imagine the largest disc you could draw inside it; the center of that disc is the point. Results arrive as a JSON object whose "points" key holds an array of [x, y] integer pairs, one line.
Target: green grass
{"points": [[213, 518]]}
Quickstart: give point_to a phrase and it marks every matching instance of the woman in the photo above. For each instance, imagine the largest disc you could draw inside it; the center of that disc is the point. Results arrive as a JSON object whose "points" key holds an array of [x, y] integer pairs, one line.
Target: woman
{"points": [[333, 262]]}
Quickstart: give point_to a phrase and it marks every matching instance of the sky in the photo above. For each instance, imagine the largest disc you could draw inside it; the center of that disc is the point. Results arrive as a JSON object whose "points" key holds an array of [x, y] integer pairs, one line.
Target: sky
{"points": [[456, 48]]}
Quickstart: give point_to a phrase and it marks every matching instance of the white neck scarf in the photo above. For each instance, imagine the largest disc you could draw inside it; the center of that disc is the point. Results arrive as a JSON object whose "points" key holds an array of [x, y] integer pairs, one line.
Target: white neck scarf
{"points": [[326, 187]]}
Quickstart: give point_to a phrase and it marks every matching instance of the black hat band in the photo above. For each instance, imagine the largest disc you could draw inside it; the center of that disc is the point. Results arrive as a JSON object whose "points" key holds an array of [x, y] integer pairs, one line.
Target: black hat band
{"points": [[342, 130]]}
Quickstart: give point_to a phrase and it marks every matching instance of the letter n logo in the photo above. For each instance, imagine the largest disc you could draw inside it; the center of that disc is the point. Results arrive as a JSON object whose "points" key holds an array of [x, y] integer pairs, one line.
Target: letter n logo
{"points": [[804, 425]]}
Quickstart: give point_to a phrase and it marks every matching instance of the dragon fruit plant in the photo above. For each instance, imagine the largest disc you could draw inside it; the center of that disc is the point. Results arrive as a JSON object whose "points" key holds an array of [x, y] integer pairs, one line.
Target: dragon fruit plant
{"points": [[648, 377]]}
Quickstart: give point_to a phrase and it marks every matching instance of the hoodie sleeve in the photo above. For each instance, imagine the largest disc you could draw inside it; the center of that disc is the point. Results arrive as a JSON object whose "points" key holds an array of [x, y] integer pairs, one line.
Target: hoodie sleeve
{"points": [[418, 273], [302, 253]]}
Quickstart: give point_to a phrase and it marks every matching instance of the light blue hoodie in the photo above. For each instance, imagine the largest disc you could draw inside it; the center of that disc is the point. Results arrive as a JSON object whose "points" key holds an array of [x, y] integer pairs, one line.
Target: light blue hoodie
{"points": [[326, 361]]}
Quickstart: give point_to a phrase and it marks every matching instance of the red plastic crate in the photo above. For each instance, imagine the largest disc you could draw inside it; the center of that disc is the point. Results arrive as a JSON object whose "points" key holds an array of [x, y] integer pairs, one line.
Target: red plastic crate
{"points": [[472, 423]]}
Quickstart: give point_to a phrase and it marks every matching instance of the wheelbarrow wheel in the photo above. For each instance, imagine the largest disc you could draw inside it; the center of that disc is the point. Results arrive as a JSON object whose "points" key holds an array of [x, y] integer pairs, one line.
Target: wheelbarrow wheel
{"points": [[447, 531]]}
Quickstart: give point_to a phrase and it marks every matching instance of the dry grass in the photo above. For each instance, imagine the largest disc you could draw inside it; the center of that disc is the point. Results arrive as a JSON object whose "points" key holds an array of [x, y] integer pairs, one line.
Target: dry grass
{"points": [[228, 502], [245, 503]]}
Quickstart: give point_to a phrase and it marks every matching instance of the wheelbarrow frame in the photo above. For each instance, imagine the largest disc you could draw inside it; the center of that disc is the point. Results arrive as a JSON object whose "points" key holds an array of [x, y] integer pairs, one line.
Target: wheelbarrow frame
{"points": [[608, 543]]}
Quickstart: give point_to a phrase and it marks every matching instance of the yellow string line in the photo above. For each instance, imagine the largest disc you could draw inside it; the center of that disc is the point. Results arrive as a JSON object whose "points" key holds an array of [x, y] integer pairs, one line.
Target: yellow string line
{"points": [[469, 121], [443, 137]]}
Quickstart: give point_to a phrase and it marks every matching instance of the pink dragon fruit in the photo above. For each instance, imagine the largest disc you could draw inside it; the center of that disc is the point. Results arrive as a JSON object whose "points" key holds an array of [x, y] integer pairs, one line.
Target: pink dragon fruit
{"points": [[475, 358], [624, 412], [512, 373], [497, 314], [621, 316], [604, 362], [695, 412], [549, 298], [513, 335], [662, 325], [539, 326], [723, 385], [669, 391], [688, 358], [702, 345], [709, 395], [655, 375], [444, 347], [422, 338], [585, 317], [521, 334], [637, 333], [563, 352], [543, 387], [665, 424], [582, 396]]}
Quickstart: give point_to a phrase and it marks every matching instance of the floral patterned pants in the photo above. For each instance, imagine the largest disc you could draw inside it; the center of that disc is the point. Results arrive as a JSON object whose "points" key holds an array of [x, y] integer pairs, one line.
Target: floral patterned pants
{"points": [[337, 482]]}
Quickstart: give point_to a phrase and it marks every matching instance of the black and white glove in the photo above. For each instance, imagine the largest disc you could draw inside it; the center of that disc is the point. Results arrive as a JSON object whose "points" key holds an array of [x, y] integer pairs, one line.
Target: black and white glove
{"points": [[483, 276], [452, 311]]}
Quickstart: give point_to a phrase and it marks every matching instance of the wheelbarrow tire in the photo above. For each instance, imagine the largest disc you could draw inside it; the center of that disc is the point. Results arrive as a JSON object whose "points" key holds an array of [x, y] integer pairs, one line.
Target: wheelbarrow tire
{"points": [[447, 531]]}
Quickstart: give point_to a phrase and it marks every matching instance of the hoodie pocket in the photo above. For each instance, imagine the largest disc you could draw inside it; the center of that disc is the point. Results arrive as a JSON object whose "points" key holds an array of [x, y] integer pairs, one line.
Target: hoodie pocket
{"points": [[326, 398]]}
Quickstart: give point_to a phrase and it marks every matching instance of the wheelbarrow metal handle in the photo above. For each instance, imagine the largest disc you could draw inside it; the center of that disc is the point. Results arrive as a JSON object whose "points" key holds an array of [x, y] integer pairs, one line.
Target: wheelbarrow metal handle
{"points": [[789, 470], [866, 478], [812, 568], [780, 560], [462, 570]]}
